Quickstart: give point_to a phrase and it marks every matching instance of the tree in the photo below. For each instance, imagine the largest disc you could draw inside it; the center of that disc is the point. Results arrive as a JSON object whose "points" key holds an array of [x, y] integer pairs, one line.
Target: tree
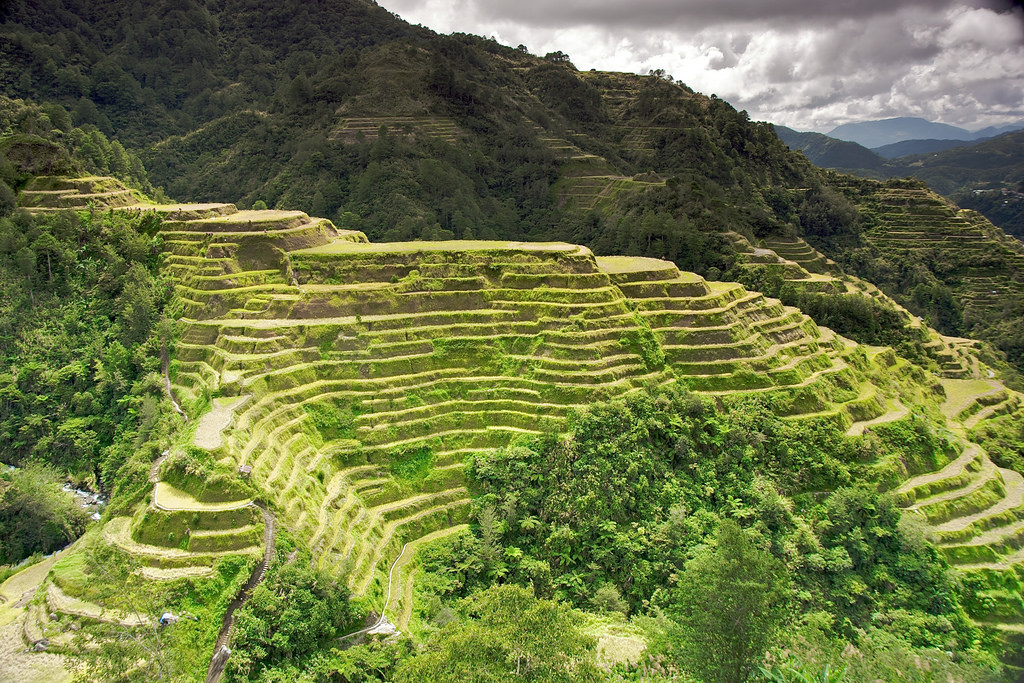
{"points": [[558, 57], [26, 260], [290, 616], [8, 201], [506, 634], [47, 244], [36, 515], [729, 604], [137, 305]]}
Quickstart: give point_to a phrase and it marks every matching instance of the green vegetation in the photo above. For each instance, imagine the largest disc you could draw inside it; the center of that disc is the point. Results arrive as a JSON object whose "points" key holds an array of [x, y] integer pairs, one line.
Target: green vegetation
{"points": [[36, 515], [584, 480], [194, 471], [532, 461], [505, 632], [729, 605], [109, 577], [79, 344], [291, 617]]}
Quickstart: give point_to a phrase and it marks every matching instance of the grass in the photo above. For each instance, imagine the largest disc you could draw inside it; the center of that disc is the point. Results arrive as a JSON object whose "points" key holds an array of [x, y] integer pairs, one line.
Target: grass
{"points": [[982, 498], [117, 532], [27, 579], [346, 247], [213, 423], [411, 465], [618, 640], [635, 264], [60, 602], [170, 498], [960, 393]]}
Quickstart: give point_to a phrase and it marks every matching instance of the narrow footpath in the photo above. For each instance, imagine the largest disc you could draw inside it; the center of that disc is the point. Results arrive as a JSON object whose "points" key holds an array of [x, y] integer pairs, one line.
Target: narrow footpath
{"points": [[165, 366], [220, 649], [387, 601]]}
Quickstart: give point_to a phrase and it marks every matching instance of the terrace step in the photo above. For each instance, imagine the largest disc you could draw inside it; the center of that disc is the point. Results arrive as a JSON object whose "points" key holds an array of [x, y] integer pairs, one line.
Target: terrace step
{"points": [[62, 603], [1013, 498], [117, 532]]}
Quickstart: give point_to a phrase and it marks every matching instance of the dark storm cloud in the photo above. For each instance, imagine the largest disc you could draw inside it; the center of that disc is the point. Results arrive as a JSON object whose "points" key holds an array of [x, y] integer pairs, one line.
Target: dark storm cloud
{"points": [[661, 13]]}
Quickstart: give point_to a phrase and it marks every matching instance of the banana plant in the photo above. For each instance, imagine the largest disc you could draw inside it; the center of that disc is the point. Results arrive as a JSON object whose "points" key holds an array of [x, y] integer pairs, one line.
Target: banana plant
{"points": [[802, 673]]}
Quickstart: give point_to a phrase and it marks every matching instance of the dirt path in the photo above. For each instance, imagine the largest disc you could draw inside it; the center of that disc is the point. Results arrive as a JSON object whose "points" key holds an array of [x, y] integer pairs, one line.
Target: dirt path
{"points": [[387, 600], [220, 649], [154, 469]]}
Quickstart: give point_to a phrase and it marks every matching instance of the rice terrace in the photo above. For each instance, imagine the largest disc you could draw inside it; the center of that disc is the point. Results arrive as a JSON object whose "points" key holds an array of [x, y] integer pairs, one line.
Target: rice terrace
{"points": [[459, 363]]}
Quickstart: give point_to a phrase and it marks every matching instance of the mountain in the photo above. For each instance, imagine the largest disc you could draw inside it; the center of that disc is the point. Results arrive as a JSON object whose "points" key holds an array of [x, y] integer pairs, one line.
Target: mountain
{"points": [[920, 135], [417, 357], [874, 134], [828, 152], [990, 164], [992, 131], [910, 147], [984, 175]]}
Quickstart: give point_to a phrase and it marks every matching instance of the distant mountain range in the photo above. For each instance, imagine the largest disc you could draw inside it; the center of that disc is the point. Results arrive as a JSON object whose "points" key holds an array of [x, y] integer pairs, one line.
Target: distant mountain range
{"points": [[875, 134], [955, 168], [908, 147]]}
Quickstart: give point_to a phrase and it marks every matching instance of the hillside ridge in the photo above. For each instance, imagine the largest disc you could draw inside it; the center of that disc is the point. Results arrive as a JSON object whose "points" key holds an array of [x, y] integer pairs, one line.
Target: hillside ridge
{"points": [[351, 378]]}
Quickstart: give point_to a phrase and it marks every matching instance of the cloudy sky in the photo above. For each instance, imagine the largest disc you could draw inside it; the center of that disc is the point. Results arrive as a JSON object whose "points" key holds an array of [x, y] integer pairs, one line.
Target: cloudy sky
{"points": [[808, 64]]}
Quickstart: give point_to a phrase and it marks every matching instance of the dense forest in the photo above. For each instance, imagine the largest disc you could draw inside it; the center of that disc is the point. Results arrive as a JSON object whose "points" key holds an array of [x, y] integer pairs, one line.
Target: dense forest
{"points": [[713, 538]]}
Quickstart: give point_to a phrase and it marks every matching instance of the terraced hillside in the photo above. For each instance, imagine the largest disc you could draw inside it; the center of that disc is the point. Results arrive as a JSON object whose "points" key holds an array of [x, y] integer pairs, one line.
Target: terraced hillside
{"points": [[587, 192], [56, 193], [629, 108], [356, 377], [801, 268], [351, 379], [975, 508], [355, 129], [983, 265]]}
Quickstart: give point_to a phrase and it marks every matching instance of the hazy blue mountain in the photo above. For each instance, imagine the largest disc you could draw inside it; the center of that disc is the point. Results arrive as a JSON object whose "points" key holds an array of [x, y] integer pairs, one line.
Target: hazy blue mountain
{"points": [[993, 131], [873, 134]]}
